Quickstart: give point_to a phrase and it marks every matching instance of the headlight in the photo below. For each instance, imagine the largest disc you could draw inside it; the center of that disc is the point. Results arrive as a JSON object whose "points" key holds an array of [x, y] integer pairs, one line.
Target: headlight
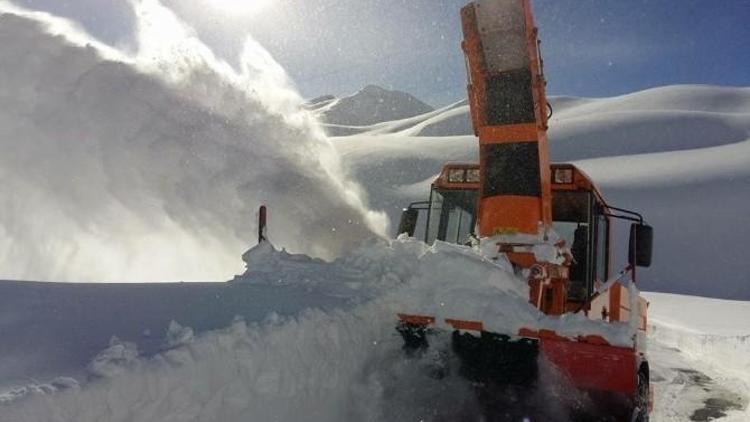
{"points": [[563, 176], [456, 175], [472, 176]]}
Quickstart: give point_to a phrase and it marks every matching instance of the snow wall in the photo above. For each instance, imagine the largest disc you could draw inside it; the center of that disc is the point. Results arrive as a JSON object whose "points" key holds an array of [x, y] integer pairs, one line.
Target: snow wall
{"points": [[150, 165], [324, 363]]}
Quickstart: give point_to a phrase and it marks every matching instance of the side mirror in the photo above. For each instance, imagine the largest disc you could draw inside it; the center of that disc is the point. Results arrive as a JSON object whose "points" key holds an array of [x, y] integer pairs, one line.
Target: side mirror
{"points": [[641, 245], [408, 222]]}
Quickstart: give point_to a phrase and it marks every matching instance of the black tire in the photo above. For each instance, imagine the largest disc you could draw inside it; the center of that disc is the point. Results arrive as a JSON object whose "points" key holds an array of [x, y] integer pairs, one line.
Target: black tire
{"points": [[640, 405]]}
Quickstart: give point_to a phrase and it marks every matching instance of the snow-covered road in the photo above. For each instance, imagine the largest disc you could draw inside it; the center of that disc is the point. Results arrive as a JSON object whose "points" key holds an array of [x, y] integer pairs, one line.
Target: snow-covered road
{"points": [[687, 389], [700, 354]]}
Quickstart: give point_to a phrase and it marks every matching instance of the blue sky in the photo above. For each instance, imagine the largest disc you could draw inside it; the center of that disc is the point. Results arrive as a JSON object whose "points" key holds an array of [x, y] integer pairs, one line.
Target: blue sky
{"points": [[591, 47]]}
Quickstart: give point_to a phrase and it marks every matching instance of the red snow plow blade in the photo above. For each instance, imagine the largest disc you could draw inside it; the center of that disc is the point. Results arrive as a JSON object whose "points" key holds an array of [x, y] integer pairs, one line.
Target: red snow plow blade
{"points": [[592, 365], [605, 377]]}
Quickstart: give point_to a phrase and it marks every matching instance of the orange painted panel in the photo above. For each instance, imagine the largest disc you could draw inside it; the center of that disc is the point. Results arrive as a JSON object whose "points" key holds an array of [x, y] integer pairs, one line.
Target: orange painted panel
{"points": [[593, 366], [416, 319], [509, 214], [509, 133], [459, 324]]}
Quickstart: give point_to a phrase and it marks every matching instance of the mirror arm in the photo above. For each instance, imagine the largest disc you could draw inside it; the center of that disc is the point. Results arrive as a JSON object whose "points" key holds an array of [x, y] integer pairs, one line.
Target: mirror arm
{"points": [[419, 205], [632, 215], [638, 219]]}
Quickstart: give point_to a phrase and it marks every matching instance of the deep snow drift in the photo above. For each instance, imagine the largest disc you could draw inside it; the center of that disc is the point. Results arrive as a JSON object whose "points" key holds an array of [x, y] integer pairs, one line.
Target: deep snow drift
{"points": [[678, 154], [339, 360], [316, 341], [149, 166]]}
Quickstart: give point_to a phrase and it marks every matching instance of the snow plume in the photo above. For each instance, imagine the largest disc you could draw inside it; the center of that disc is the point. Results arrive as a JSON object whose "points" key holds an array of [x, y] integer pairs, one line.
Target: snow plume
{"points": [[150, 166]]}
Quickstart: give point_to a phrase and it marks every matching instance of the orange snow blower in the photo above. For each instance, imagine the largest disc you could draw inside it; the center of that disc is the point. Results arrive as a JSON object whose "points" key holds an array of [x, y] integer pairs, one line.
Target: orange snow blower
{"points": [[516, 199]]}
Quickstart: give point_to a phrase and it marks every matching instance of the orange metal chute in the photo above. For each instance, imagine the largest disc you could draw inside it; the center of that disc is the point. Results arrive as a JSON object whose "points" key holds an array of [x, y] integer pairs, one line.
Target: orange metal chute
{"points": [[508, 107]]}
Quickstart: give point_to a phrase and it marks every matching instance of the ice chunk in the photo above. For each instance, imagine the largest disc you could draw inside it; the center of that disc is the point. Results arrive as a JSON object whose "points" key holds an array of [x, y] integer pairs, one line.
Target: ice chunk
{"points": [[177, 335], [115, 359]]}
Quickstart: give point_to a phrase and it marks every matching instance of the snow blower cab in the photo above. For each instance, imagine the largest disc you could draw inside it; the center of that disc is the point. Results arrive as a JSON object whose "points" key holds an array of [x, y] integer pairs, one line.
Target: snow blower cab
{"points": [[580, 218], [548, 220]]}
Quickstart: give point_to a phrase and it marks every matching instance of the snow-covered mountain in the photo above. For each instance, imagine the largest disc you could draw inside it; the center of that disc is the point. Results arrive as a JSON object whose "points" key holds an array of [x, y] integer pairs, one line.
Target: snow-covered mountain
{"points": [[679, 154], [372, 104]]}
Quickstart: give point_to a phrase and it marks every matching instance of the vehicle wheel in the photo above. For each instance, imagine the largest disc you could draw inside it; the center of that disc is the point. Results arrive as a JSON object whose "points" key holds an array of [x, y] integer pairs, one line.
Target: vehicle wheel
{"points": [[640, 405]]}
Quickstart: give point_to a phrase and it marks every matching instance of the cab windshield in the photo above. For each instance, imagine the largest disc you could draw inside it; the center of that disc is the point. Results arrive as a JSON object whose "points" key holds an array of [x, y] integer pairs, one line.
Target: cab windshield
{"points": [[452, 216], [577, 218]]}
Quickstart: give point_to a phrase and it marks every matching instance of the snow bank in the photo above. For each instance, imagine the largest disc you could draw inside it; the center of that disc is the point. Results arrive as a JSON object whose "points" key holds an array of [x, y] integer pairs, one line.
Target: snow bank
{"points": [[36, 389], [280, 370], [117, 358], [713, 333], [149, 166], [327, 364], [443, 280], [710, 330]]}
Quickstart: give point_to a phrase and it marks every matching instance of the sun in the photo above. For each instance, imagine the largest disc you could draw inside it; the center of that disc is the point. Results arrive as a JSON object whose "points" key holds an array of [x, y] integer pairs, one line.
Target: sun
{"points": [[240, 7]]}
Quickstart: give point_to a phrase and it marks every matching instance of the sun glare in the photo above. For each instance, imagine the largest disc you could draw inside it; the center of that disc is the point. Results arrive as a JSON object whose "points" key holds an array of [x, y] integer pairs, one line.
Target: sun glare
{"points": [[240, 7]]}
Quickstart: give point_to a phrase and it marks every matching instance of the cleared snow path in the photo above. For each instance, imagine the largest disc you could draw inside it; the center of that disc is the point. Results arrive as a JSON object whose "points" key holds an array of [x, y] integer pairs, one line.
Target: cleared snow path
{"points": [[700, 355], [684, 392]]}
